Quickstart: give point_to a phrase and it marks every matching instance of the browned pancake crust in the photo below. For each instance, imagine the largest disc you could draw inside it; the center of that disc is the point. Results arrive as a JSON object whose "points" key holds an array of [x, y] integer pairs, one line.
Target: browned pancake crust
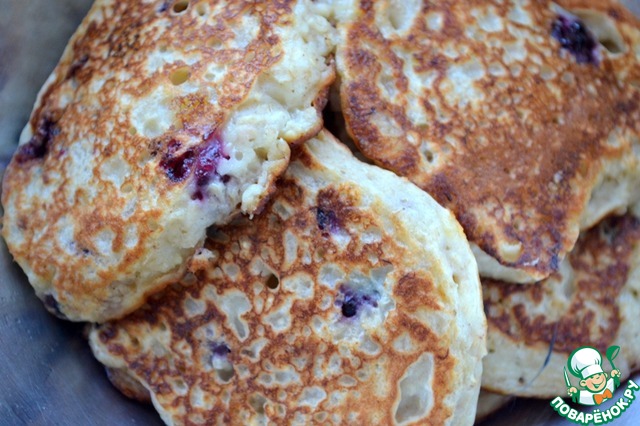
{"points": [[85, 236], [413, 292], [286, 319], [601, 262], [516, 166]]}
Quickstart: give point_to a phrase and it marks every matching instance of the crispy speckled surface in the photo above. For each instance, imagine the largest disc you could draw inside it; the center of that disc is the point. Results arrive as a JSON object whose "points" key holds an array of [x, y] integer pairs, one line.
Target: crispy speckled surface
{"points": [[158, 122], [499, 123], [353, 298], [593, 299], [49, 375]]}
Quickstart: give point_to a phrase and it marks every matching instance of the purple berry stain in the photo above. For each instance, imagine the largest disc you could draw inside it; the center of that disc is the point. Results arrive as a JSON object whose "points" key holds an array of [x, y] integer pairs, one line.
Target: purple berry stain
{"points": [[574, 36], [202, 161], [219, 349], [327, 220], [53, 307], [177, 167], [351, 300], [39, 144]]}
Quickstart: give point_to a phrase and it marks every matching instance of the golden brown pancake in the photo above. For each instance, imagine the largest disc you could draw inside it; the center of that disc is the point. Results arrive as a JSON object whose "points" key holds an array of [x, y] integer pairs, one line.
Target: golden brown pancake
{"points": [[161, 119], [522, 117], [352, 299], [593, 300]]}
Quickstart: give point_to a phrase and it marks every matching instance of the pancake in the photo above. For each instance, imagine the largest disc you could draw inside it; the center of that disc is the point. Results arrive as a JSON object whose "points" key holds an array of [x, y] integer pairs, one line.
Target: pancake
{"points": [[353, 298], [521, 117], [161, 119], [593, 300]]}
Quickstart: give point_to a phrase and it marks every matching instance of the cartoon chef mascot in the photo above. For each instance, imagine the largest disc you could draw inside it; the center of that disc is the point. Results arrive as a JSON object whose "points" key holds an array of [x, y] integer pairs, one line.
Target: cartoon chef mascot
{"points": [[586, 364]]}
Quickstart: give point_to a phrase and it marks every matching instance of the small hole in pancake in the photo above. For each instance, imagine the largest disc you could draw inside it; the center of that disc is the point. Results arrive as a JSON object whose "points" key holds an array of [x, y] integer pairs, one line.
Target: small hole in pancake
{"points": [[604, 29], [127, 187], [181, 385], [261, 153], [201, 8], [415, 397], [180, 6], [239, 156], [273, 282], [214, 43], [179, 76], [321, 417], [257, 402], [611, 45], [135, 342], [428, 155], [132, 131], [225, 374]]}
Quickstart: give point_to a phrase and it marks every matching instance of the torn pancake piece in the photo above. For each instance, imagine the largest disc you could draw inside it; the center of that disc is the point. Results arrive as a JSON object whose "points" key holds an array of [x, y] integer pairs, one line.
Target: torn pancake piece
{"points": [[353, 298], [521, 117], [161, 119], [593, 300]]}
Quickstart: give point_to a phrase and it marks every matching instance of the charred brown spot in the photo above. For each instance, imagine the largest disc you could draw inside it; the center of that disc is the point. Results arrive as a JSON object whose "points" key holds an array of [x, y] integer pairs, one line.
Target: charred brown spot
{"points": [[331, 211], [77, 65]]}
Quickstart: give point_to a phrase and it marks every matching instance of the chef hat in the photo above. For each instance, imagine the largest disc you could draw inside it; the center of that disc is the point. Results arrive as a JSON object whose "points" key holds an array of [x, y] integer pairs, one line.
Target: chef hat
{"points": [[585, 362]]}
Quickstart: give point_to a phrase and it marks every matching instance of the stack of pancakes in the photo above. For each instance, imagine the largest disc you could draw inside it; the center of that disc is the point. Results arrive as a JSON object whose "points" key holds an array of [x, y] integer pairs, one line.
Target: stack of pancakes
{"points": [[522, 118], [176, 188]]}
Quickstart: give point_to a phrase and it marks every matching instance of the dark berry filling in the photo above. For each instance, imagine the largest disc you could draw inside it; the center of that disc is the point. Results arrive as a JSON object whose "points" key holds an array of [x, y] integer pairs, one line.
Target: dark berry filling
{"points": [[219, 349], [349, 308], [39, 144], [574, 36], [177, 168], [52, 306], [352, 300], [208, 159], [327, 220], [202, 160]]}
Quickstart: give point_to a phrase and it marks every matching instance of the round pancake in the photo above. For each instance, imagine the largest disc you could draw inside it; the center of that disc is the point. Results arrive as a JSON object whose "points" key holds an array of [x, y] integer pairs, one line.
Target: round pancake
{"points": [[161, 119], [353, 298], [592, 300], [526, 130]]}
